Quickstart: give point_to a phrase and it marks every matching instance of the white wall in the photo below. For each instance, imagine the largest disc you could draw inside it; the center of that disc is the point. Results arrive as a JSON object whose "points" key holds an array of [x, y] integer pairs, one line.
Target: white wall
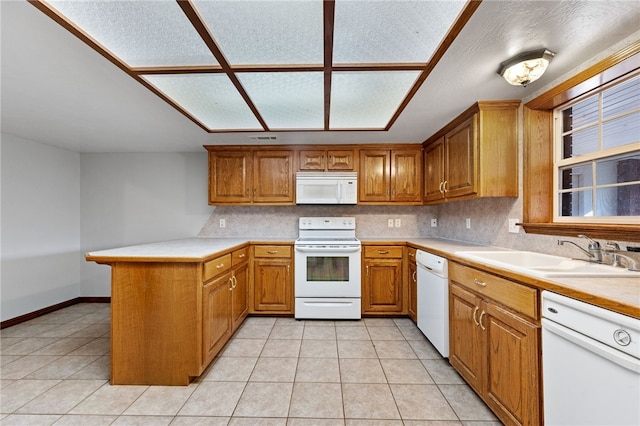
{"points": [[129, 199], [40, 205]]}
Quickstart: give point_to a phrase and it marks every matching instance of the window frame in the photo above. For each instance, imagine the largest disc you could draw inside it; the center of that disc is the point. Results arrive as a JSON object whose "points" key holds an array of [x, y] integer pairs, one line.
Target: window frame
{"points": [[592, 157], [538, 189]]}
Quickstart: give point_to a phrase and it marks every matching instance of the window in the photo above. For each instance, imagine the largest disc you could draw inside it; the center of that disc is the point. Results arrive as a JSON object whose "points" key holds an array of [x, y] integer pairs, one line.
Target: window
{"points": [[597, 155]]}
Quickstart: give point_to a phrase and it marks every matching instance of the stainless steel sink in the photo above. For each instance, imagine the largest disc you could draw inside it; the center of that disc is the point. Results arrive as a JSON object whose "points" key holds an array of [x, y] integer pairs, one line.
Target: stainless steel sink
{"points": [[545, 265]]}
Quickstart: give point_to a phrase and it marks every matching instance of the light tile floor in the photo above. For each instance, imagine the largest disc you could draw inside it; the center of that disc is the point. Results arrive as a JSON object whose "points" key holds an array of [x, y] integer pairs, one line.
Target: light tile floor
{"points": [[275, 371]]}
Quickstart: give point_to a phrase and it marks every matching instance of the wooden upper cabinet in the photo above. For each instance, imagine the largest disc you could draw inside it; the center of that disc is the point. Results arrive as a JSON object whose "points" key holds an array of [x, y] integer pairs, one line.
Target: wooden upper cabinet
{"points": [[459, 162], [246, 176], [476, 155], [273, 177], [375, 173], [326, 160], [230, 179], [390, 176], [434, 171]]}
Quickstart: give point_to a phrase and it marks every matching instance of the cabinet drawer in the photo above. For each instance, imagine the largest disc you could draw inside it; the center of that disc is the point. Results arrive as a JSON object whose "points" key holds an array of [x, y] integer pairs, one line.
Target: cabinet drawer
{"points": [[386, 252], [272, 251], [239, 256], [216, 266], [518, 297]]}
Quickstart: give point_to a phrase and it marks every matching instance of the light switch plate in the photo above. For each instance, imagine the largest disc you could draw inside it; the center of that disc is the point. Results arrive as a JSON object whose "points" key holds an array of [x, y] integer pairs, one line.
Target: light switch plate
{"points": [[222, 223], [390, 223], [398, 223]]}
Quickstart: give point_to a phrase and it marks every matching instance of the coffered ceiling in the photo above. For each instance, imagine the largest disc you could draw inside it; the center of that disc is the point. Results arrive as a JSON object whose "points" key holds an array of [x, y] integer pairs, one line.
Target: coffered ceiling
{"points": [[102, 76]]}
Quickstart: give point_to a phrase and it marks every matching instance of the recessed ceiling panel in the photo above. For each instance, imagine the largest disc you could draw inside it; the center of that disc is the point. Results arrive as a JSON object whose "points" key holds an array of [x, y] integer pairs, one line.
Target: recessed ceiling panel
{"points": [[210, 98], [287, 100], [367, 100], [391, 31], [140, 33], [266, 32]]}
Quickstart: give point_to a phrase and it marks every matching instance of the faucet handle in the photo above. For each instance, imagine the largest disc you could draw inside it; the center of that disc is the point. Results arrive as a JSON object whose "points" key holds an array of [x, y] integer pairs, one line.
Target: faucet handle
{"points": [[612, 245], [593, 244]]}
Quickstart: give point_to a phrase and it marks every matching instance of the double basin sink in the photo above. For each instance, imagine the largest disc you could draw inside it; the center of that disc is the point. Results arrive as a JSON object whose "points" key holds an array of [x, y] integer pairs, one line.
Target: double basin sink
{"points": [[545, 265]]}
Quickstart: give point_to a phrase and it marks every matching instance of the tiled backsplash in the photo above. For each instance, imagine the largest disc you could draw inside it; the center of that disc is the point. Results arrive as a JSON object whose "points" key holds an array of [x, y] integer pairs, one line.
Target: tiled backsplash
{"points": [[488, 218]]}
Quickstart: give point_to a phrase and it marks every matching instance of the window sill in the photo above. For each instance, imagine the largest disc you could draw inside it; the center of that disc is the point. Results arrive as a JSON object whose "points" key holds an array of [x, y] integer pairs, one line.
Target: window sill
{"points": [[594, 230]]}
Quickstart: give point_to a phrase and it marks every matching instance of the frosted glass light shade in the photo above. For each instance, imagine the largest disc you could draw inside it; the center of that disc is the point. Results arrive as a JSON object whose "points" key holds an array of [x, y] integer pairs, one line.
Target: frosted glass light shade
{"points": [[210, 98], [266, 32], [526, 67], [367, 100], [287, 100], [139, 33]]}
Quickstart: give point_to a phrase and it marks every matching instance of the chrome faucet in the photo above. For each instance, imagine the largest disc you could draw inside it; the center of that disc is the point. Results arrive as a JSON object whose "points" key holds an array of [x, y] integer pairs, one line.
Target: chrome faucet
{"points": [[614, 249], [594, 252]]}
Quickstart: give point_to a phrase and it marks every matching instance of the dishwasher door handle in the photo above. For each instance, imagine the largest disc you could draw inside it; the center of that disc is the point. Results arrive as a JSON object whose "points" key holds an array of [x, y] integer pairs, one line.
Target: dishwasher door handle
{"points": [[604, 351]]}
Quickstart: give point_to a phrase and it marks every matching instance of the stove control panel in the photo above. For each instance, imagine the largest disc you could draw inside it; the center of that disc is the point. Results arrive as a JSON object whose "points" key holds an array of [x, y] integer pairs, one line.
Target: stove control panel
{"points": [[327, 223]]}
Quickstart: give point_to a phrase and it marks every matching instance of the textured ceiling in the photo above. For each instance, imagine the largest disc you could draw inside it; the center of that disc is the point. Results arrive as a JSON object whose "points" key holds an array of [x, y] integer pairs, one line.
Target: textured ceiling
{"points": [[57, 90]]}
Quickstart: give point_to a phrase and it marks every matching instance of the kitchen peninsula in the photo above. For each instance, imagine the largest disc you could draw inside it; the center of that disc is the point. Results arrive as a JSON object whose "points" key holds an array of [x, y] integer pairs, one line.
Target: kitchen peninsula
{"points": [[173, 310]]}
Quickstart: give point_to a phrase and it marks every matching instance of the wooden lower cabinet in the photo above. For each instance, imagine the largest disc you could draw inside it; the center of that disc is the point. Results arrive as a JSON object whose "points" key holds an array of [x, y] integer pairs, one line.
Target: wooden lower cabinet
{"points": [[412, 280], [495, 349], [216, 316], [382, 281], [272, 279]]}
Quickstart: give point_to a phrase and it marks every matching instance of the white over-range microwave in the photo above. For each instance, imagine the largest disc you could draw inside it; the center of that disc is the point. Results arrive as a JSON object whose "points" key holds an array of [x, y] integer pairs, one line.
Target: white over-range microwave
{"points": [[326, 188]]}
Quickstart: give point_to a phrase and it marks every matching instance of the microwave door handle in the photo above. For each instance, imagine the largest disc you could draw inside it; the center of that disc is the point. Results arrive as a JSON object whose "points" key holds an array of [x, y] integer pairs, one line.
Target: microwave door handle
{"points": [[339, 190]]}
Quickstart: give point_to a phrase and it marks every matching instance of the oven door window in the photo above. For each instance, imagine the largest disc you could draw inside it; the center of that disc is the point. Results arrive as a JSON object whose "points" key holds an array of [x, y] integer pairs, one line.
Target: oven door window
{"points": [[327, 268]]}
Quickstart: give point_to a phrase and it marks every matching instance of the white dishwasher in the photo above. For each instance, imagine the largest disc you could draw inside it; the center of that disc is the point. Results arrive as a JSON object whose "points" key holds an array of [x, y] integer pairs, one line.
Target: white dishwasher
{"points": [[591, 364], [433, 300]]}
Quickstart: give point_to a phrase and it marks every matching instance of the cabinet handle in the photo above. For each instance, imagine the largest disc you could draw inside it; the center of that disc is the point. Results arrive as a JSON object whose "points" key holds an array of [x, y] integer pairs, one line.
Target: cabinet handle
{"points": [[440, 187], [480, 320], [414, 276], [220, 266], [230, 283], [272, 251], [480, 283], [254, 192], [383, 251], [235, 281], [241, 255], [475, 319], [444, 186]]}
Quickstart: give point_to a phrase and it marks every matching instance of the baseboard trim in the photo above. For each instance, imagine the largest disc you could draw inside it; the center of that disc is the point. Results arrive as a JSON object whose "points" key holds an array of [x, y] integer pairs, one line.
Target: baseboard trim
{"points": [[52, 308]]}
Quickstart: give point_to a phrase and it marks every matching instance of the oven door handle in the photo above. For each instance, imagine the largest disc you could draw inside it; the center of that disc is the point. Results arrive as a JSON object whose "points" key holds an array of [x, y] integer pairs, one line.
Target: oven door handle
{"points": [[353, 249]]}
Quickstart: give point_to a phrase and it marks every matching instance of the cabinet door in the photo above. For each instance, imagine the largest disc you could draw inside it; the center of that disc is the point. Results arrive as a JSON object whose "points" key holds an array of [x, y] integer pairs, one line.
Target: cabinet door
{"points": [[413, 288], [230, 178], [216, 321], [382, 290], [273, 286], [406, 168], [466, 344], [340, 159], [513, 383], [273, 177], [460, 165], [240, 295], [375, 171], [434, 171], [312, 159]]}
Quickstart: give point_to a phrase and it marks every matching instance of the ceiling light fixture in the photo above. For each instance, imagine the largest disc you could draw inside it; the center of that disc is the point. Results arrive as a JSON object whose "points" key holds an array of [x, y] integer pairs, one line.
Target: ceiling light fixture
{"points": [[526, 67]]}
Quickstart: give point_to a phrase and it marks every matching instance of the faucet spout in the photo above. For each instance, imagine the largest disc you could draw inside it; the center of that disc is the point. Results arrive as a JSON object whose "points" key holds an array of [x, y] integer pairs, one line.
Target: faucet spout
{"points": [[591, 255]]}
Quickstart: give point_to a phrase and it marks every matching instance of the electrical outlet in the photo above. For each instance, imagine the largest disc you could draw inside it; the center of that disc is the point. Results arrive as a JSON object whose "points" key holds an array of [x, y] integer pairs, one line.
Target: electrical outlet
{"points": [[398, 223], [513, 228], [222, 223], [434, 223], [467, 223], [390, 223]]}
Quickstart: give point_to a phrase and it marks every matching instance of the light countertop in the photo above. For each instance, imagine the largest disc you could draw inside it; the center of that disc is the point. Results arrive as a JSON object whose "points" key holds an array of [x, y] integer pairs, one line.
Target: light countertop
{"points": [[618, 294]]}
